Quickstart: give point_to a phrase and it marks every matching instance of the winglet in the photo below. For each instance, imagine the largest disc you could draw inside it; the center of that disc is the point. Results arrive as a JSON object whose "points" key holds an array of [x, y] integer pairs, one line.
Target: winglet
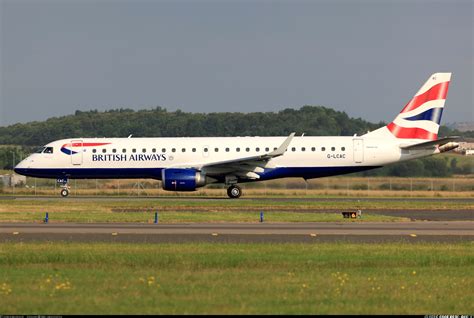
{"points": [[281, 150]]}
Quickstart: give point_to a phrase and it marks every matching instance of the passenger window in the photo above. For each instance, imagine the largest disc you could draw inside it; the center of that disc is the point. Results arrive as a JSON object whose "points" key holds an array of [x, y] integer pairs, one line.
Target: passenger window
{"points": [[237, 149], [163, 149], [104, 150], [247, 149], [114, 150], [94, 150], [183, 150], [173, 149], [257, 149], [134, 150], [293, 149], [227, 149], [274, 148], [333, 148], [143, 150], [313, 148], [216, 149], [343, 148], [124, 150], [323, 149], [153, 150], [267, 149], [303, 149], [206, 150], [194, 149]]}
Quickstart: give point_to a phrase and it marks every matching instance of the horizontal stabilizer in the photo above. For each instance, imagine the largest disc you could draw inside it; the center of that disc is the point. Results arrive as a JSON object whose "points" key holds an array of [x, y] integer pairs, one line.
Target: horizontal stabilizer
{"points": [[430, 144]]}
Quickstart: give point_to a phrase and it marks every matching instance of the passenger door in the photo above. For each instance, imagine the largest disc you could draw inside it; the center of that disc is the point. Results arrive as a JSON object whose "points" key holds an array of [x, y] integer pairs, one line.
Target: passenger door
{"points": [[76, 152], [358, 144]]}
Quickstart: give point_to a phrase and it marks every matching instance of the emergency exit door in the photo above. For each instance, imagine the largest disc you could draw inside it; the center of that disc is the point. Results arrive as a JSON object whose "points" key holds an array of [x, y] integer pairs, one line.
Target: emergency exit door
{"points": [[205, 151]]}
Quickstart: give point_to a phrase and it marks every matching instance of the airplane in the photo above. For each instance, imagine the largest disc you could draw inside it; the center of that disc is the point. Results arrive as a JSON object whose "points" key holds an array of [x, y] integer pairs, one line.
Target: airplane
{"points": [[185, 164]]}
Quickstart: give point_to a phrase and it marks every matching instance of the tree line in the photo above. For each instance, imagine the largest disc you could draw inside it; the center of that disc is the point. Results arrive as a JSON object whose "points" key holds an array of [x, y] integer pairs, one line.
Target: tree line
{"points": [[158, 122]]}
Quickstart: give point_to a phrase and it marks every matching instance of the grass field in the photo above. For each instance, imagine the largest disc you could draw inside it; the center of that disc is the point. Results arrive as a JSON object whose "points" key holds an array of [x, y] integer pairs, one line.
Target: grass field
{"points": [[188, 210], [325, 278]]}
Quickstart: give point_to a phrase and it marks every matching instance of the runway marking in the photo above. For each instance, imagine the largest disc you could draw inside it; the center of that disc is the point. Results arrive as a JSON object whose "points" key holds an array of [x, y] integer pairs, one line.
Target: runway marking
{"points": [[277, 231]]}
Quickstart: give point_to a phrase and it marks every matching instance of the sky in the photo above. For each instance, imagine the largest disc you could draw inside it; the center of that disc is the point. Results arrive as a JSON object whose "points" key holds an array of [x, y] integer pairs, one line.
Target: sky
{"points": [[367, 58]]}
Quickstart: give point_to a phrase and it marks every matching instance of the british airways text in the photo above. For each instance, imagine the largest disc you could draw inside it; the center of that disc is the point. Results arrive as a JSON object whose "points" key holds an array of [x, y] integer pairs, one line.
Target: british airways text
{"points": [[133, 157]]}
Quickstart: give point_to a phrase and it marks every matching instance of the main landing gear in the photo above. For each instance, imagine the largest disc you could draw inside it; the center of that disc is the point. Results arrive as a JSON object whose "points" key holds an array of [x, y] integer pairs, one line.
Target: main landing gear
{"points": [[234, 191], [64, 187]]}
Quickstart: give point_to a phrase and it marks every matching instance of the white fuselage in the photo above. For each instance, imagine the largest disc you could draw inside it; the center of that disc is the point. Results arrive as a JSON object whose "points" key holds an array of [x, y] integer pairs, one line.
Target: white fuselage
{"points": [[307, 157]]}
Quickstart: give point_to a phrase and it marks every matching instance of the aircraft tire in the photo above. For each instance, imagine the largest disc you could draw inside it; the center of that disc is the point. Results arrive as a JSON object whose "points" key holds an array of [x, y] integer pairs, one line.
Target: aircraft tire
{"points": [[234, 192], [64, 193]]}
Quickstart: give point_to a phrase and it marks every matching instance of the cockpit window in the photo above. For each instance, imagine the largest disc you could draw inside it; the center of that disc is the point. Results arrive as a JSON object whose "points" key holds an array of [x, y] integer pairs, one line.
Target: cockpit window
{"points": [[48, 150], [40, 150]]}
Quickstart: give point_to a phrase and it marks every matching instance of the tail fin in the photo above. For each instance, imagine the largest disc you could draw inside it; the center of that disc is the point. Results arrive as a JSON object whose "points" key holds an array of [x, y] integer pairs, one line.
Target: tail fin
{"points": [[421, 117]]}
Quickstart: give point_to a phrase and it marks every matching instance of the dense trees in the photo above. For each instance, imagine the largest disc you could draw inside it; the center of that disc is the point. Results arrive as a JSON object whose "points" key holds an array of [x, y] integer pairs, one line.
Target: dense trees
{"points": [[436, 166], [311, 120]]}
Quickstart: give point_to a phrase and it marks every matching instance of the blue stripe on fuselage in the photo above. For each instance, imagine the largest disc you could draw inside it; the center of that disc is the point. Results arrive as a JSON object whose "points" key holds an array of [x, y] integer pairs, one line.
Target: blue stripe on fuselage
{"points": [[68, 151], [155, 173]]}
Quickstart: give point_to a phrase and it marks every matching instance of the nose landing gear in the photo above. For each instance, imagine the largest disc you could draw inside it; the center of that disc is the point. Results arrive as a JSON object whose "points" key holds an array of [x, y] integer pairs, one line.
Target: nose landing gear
{"points": [[64, 187], [64, 192]]}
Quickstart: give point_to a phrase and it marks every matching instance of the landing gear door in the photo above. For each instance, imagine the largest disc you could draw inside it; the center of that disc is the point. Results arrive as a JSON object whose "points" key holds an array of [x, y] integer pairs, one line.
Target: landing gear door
{"points": [[358, 144], [76, 152]]}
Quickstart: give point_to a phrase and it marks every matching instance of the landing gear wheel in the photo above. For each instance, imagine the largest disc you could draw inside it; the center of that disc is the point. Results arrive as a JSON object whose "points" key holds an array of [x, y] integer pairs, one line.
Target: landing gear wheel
{"points": [[64, 193], [234, 192]]}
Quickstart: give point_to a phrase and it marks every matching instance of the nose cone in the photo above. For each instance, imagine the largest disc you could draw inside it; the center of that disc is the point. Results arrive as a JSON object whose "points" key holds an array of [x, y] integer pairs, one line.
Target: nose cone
{"points": [[21, 168]]}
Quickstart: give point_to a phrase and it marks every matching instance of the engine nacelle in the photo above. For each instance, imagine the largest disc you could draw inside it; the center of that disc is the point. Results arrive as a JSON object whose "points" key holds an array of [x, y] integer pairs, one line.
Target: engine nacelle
{"points": [[182, 179]]}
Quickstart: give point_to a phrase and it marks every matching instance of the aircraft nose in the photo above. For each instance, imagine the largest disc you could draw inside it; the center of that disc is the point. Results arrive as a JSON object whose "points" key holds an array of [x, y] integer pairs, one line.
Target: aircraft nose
{"points": [[21, 168]]}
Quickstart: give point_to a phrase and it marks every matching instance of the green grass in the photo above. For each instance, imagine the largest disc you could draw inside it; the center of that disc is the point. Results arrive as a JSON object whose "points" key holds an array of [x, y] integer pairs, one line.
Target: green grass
{"points": [[211, 210], [323, 278], [187, 217]]}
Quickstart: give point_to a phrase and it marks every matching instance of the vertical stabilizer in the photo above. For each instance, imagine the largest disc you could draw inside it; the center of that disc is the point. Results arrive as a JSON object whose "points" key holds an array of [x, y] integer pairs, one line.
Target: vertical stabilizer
{"points": [[420, 118]]}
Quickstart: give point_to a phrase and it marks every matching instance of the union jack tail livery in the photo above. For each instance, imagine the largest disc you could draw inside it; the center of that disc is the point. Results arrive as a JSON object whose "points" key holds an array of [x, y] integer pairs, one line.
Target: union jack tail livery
{"points": [[420, 118]]}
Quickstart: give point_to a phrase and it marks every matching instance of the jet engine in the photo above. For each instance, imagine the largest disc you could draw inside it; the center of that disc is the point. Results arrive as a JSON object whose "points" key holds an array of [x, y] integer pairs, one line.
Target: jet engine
{"points": [[182, 179]]}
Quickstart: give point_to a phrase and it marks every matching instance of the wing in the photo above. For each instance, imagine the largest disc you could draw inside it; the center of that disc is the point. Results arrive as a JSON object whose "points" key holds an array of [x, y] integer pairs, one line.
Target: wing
{"points": [[246, 167]]}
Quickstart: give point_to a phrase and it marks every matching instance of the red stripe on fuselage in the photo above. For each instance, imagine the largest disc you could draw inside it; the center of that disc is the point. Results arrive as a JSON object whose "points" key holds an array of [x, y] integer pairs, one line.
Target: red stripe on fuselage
{"points": [[438, 91], [86, 144], [411, 133]]}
